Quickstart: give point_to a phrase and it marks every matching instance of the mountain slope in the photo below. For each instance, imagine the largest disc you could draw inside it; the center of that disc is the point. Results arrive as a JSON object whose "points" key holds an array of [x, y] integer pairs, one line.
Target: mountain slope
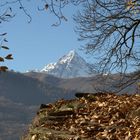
{"points": [[93, 84], [20, 96], [14, 119], [69, 66], [27, 90]]}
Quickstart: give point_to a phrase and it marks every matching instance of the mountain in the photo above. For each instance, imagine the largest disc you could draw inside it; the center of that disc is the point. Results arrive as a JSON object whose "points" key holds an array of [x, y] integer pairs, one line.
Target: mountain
{"points": [[29, 90], [14, 118], [71, 65], [97, 83]]}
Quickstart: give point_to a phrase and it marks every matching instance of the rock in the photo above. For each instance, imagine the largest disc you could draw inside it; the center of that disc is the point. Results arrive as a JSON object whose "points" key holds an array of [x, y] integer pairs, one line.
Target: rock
{"points": [[42, 106], [80, 95], [62, 113]]}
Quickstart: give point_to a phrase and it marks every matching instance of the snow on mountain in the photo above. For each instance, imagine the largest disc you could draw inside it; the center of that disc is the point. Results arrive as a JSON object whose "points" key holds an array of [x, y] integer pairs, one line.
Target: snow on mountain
{"points": [[70, 65]]}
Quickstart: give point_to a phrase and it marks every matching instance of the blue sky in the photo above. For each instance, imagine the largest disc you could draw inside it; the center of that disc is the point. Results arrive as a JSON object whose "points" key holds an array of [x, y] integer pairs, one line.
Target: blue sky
{"points": [[38, 43]]}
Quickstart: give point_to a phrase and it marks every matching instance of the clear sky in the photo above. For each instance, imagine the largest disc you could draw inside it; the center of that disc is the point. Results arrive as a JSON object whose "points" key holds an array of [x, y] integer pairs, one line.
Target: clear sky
{"points": [[36, 44]]}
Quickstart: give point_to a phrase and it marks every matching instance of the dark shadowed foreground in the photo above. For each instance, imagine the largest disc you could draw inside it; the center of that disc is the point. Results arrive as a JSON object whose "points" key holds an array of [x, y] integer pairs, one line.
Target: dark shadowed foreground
{"points": [[89, 117]]}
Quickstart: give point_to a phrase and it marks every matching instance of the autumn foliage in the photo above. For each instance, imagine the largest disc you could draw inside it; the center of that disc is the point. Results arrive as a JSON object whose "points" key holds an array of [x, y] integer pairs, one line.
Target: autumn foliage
{"points": [[89, 117]]}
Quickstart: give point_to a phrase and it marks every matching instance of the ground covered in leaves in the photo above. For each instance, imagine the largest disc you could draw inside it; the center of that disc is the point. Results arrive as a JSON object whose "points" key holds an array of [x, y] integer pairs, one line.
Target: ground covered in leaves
{"points": [[88, 117]]}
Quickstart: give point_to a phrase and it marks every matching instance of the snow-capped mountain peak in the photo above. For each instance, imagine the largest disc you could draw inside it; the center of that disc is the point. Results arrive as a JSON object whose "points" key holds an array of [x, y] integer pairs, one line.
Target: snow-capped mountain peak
{"points": [[68, 57], [69, 66]]}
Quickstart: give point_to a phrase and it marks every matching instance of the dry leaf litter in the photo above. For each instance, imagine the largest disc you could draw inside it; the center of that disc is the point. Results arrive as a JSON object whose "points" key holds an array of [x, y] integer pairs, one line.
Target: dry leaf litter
{"points": [[103, 116]]}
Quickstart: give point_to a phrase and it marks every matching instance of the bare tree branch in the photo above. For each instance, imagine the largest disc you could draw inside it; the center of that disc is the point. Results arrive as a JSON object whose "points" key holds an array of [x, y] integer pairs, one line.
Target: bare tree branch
{"points": [[111, 30]]}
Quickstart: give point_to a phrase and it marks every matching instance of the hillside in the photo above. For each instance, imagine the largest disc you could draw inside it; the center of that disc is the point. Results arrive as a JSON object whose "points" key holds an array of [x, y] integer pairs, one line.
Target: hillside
{"points": [[27, 90], [20, 97], [14, 118], [92, 84], [22, 94], [102, 116]]}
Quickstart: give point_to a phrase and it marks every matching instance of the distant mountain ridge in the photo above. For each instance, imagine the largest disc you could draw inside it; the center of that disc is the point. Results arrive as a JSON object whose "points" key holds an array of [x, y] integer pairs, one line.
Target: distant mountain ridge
{"points": [[71, 65]]}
